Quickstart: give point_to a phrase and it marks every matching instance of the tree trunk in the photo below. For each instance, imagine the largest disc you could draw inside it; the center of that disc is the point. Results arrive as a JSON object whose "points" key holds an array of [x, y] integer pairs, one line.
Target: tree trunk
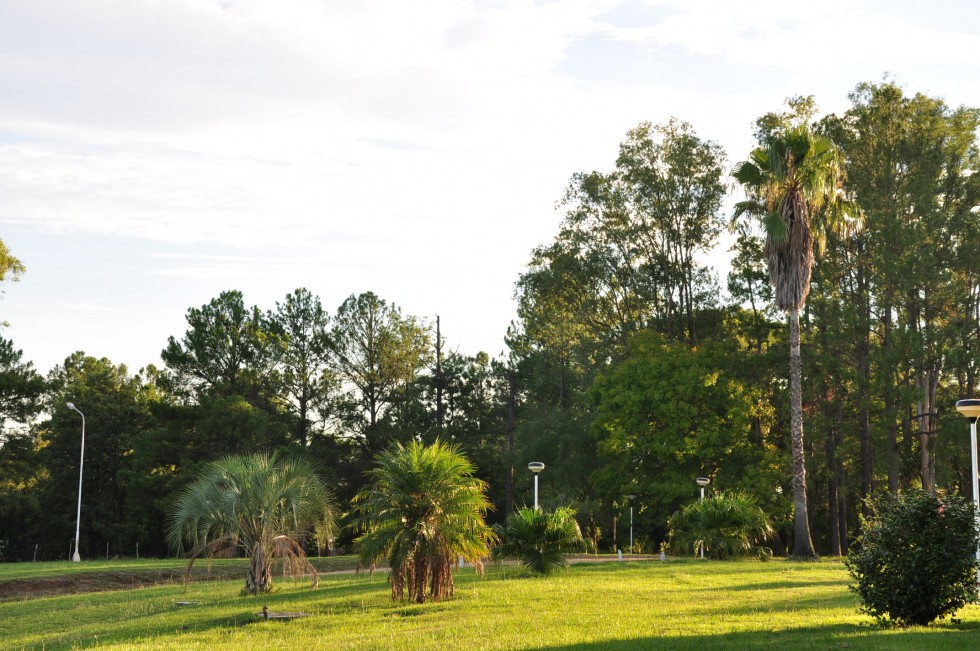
{"points": [[259, 577], [927, 382], [511, 427], [835, 546], [802, 544], [439, 379]]}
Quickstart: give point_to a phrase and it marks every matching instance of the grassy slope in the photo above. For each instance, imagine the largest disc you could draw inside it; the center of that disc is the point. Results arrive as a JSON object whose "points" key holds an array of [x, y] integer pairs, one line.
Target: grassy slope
{"points": [[615, 606]]}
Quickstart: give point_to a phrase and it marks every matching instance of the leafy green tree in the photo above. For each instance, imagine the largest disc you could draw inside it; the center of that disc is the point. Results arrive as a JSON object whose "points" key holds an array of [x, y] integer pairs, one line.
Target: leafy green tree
{"points": [[376, 352], [422, 511], [116, 405], [911, 163], [541, 540], [668, 414], [794, 185], [306, 382], [9, 265], [225, 351], [260, 505], [20, 508], [21, 388], [223, 373], [626, 253], [726, 525], [673, 190], [750, 291]]}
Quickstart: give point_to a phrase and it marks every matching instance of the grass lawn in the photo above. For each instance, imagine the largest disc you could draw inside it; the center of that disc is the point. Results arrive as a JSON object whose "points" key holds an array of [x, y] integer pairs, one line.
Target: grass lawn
{"points": [[592, 606]]}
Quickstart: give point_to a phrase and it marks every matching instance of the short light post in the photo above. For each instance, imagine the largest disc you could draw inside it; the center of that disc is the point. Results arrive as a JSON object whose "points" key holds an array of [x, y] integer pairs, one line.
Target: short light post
{"points": [[971, 409], [632, 497], [81, 465], [535, 467], [702, 482]]}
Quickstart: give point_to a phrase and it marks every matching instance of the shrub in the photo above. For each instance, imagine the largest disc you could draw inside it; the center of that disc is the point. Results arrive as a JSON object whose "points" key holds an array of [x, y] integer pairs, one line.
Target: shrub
{"points": [[916, 560], [728, 525], [540, 540]]}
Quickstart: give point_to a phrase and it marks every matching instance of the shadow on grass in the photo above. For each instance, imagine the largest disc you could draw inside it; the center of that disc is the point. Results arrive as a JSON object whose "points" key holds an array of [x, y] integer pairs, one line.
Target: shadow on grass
{"points": [[778, 585], [227, 611], [843, 636]]}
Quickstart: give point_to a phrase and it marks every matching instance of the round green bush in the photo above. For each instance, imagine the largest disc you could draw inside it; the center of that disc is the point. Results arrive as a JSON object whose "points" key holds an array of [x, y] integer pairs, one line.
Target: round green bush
{"points": [[916, 560]]}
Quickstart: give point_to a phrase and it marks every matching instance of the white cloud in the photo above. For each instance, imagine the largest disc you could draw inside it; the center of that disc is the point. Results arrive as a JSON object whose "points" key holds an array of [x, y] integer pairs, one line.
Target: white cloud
{"points": [[412, 148]]}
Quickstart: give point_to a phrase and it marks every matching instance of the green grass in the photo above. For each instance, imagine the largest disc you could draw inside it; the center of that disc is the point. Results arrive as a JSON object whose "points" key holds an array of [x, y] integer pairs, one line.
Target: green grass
{"points": [[15, 571], [615, 606]]}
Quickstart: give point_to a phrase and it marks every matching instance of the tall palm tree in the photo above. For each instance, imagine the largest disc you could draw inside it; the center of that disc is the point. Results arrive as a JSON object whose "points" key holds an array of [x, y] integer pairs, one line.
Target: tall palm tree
{"points": [[422, 512], [261, 505], [794, 181]]}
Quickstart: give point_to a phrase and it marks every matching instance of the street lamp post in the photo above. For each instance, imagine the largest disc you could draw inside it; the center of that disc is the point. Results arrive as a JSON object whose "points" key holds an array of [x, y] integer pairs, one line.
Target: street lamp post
{"points": [[632, 500], [971, 409], [535, 467], [81, 465], [702, 482]]}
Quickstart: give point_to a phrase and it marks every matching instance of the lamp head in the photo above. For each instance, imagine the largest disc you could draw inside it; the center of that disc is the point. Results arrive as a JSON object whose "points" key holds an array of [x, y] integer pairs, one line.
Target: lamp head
{"points": [[71, 405], [535, 467], [702, 481], [632, 496], [969, 408]]}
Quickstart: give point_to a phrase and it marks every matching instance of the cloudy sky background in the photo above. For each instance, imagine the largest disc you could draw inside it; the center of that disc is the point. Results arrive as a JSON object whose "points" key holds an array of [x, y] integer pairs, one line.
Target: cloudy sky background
{"points": [[155, 153]]}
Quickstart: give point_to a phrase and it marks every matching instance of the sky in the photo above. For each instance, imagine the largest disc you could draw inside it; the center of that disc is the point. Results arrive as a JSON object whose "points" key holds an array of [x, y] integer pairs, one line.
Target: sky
{"points": [[156, 153]]}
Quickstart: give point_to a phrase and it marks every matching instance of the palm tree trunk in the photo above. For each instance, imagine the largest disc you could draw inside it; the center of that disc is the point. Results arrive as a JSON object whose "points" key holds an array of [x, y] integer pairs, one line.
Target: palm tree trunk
{"points": [[259, 577], [802, 544]]}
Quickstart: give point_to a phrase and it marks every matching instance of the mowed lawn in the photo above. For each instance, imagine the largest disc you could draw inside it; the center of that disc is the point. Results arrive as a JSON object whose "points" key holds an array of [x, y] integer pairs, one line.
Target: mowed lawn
{"points": [[680, 604]]}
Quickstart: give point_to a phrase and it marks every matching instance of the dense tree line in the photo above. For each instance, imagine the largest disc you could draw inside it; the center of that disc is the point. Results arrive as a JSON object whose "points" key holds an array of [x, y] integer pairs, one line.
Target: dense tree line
{"points": [[628, 370]]}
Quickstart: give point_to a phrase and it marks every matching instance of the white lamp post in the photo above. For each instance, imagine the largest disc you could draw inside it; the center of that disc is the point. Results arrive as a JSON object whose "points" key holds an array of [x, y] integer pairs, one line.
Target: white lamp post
{"points": [[81, 464], [632, 499], [971, 409], [702, 482], [535, 467]]}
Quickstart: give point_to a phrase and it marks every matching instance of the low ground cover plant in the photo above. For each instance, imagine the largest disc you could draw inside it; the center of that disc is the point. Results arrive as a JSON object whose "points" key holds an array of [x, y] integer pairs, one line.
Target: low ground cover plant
{"points": [[727, 525], [539, 539]]}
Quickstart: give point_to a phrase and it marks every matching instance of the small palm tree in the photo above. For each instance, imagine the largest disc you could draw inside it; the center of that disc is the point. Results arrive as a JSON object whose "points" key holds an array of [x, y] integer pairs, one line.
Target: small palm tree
{"points": [[261, 505], [541, 540], [728, 525], [423, 511], [794, 183]]}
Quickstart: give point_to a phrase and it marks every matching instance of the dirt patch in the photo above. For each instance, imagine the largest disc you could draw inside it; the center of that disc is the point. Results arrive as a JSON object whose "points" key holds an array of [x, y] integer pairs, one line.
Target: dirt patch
{"points": [[101, 581]]}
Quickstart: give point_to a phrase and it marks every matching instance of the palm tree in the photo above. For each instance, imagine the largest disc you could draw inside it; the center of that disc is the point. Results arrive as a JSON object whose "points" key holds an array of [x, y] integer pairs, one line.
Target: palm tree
{"points": [[729, 525], [794, 183], [540, 539], [423, 511], [261, 505]]}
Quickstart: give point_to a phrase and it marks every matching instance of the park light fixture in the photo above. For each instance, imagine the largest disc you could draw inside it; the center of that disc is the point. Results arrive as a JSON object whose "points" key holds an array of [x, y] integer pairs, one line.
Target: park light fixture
{"points": [[535, 467], [78, 516], [632, 497], [971, 409], [702, 482]]}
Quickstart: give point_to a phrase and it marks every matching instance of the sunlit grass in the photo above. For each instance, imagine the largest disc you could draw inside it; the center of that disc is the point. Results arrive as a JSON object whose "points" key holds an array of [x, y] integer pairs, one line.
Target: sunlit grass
{"points": [[618, 606], [16, 571]]}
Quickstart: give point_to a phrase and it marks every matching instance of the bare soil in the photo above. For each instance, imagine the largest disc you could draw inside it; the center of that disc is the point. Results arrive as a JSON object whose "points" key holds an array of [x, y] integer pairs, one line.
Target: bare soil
{"points": [[101, 581]]}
